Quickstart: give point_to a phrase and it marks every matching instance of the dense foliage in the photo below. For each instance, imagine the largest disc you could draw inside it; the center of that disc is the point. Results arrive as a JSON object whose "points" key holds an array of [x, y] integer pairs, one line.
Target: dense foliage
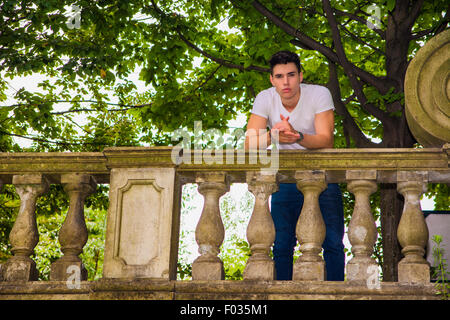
{"points": [[211, 54], [199, 60]]}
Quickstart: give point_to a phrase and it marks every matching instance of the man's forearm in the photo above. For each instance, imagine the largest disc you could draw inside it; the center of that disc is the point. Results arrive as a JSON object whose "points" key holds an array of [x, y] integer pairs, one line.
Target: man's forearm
{"points": [[317, 141], [254, 140]]}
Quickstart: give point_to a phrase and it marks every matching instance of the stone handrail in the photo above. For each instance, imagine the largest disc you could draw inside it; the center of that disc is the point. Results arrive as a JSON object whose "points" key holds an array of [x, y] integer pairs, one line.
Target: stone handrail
{"points": [[145, 194]]}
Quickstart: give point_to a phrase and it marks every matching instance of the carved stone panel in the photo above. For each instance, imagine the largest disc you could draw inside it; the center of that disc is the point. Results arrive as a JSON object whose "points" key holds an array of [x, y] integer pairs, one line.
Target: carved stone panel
{"points": [[136, 221], [139, 238]]}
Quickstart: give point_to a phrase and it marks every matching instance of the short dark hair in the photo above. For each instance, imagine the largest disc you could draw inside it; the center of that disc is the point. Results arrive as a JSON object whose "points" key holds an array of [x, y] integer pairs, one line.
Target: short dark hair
{"points": [[284, 57]]}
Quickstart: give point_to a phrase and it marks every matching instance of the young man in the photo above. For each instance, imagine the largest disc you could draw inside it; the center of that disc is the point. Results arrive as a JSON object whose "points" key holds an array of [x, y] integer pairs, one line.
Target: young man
{"points": [[302, 117]]}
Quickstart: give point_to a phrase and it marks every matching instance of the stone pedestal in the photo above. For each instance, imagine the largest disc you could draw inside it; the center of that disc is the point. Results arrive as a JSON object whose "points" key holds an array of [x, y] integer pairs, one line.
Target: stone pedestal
{"points": [[141, 237], [413, 272], [66, 268], [20, 268], [309, 270], [208, 268]]}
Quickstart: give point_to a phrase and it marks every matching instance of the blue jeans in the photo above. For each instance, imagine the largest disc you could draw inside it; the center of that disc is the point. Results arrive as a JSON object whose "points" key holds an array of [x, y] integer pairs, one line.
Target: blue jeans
{"points": [[286, 206]]}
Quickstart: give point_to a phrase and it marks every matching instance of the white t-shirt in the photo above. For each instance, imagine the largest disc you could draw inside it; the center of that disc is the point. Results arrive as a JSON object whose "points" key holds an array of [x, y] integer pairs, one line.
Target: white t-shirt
{"points": [[313, 99]]}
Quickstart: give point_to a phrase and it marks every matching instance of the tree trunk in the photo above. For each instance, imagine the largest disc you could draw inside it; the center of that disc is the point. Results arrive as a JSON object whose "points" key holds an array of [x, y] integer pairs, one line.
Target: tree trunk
{"points": [[391, 207]]}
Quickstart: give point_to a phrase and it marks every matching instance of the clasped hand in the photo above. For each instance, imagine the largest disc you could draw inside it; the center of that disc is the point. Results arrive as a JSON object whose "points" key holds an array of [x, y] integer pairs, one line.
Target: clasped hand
{"points": [[284, 131]]}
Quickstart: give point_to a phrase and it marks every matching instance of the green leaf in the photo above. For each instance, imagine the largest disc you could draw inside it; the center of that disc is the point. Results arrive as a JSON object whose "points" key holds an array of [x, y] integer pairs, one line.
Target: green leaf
{"points": [[391, 5]]}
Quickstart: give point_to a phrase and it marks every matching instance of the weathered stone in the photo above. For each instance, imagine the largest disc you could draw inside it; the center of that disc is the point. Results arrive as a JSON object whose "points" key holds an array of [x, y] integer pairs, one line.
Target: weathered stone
{"points": [[55, 163], [427, 92], [140, 238], [387, 162], [413, 272], [412, 232], [210, 231], [309, 270], [362, 231], [207, 268], [361, 175], [405, 176], [261, 230], [73, 234], [68, 268], [446, 150], [24, 234], [20, 268], [113, 289], [97, 164], [310, 229]]}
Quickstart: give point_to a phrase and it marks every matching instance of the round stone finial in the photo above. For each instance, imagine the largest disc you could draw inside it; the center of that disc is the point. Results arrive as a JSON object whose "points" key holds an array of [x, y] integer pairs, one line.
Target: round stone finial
{"points": [[427, 92]]}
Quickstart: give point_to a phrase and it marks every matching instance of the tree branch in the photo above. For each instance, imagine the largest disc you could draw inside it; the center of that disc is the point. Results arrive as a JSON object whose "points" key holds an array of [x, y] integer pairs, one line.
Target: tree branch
{"points": [[439, 27], [355, 17], [305, 41], [422, 33], [349, 123], [220, 61], [414, 13], [356, 38], [347, 66], [125, 107], [207, 78], [43, 140]]}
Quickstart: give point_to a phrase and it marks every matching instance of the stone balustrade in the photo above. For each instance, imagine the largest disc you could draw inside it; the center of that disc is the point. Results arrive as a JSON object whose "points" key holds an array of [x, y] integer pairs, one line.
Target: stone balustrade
{"points": [[145, 198]]}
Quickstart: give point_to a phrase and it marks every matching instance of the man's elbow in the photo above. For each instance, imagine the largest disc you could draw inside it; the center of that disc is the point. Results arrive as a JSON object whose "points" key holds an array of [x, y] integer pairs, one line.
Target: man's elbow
{"points": [[329, 143], [325, 142], [246, 144]]}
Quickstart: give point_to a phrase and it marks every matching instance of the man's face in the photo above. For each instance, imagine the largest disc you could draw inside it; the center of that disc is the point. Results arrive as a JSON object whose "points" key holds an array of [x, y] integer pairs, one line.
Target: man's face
{"points": [[286, 80]]}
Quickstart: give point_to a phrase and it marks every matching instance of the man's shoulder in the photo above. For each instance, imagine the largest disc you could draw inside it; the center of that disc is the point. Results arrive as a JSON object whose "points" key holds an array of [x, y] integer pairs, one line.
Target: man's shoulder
{"points": [[267, 93], [314, 88], [264, 102], [317, 98]]}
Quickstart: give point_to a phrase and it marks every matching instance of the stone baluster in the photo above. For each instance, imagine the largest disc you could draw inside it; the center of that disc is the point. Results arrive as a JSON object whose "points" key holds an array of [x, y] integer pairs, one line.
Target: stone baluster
{"points": [[412, 232], [310, 229], [24, 235], [362, 231], [210, 231], [73, 234], [261, 230]]}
